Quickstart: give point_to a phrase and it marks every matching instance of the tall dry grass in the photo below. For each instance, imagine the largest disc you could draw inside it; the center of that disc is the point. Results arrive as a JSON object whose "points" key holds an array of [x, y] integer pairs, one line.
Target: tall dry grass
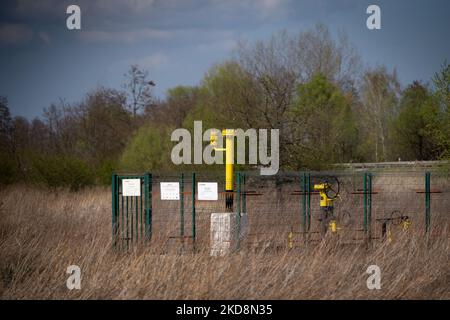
{"points": [[43, 232]]}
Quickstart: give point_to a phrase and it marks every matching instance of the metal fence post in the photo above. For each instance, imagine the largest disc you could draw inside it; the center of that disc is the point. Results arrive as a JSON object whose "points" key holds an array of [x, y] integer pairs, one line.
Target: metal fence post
{"points": [[369, 204], [427, 201], [193, 206], [114, 208], [303, 194], [308, 188], [244, 193], [182, 205], [238, 207], [148, 205], [365, 201]]}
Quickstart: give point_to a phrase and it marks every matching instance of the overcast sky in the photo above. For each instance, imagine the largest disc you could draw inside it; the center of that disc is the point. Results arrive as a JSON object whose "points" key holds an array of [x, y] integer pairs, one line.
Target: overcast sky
{"points": [[179, 40]]}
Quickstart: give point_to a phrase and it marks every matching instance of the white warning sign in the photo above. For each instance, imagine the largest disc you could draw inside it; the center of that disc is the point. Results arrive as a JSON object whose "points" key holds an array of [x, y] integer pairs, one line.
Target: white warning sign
{"points": [[131, 187], [170, 190], [208, 191]]}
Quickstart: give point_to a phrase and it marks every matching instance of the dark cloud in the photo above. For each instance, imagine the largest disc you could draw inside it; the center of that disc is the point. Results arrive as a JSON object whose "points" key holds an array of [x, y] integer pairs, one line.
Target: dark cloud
{"points": [[178, 40]]}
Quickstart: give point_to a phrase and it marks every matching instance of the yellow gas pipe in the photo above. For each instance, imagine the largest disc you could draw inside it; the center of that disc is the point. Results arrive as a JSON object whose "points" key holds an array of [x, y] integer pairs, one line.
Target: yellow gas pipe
{"points": [[229, 161]]}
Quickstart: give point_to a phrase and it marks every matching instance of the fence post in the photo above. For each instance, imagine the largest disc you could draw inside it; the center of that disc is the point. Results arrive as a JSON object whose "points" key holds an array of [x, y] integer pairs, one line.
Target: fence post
{"points": [[182, 206], [193, 206], [369, 204], [238, 207], [148, 205], [365, 201], [367, 191], [244, 193], [427, 201], [308, 188], [114, 208], [303, 194]]}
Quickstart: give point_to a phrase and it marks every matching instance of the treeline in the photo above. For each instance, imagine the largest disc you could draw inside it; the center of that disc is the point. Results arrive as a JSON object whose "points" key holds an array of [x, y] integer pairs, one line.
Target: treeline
{"points": [[312, 87]]}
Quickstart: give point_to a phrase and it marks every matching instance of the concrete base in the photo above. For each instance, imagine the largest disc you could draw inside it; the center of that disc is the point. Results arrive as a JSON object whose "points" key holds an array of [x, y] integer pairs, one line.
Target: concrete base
{"points": [[224, 232]]}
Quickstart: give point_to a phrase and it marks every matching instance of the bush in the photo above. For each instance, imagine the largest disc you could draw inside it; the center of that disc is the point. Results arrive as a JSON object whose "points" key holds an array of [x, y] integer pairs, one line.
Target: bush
{"points": [[149, 150], [105, 171], [61, 171], [8, 169]]}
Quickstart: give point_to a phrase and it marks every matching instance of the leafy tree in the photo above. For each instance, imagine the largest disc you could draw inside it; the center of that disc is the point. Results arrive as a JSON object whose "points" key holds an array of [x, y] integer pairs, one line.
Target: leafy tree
{"points": [[416, 124], [325, 129], [441, 82], [180, 101], [149, 150]]}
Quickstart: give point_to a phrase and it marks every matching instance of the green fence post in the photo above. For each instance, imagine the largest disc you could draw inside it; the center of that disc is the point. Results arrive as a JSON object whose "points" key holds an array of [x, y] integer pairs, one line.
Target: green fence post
{"points": [[427, 201], [303, 195], [238, 206], [193, 206], [244, 194], [182, 206], [136, 209], [141, 213], [308, 198], [148, 205], [122, 212], [114, 208], [369, 204], [128, 223], [365, 201]]}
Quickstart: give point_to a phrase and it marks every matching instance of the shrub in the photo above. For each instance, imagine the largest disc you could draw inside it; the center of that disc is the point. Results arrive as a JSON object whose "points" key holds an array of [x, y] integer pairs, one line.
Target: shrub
{"points": [[8, 169], [61, 171]]}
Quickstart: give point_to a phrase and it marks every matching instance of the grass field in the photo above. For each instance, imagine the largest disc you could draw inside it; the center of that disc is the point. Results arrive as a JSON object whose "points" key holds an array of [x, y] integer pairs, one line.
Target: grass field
{"points": [[43, 232]]}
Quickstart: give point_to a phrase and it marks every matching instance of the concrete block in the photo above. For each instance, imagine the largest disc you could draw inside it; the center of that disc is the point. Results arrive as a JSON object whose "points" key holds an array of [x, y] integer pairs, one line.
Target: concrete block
{"points": [[225, 233]]}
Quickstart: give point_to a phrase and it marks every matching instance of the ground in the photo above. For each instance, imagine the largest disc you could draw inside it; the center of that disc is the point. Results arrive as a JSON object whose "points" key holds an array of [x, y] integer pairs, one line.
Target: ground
{"points": [[42, 232]]}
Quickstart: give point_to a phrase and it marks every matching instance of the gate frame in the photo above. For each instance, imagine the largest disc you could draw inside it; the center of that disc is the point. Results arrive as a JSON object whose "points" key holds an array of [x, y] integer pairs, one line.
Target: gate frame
{"points": [[146, 196]]}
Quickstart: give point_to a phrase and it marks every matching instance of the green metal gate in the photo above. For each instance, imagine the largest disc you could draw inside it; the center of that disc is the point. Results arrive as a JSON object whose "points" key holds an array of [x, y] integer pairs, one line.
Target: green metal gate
{"points": [[131, 214]]}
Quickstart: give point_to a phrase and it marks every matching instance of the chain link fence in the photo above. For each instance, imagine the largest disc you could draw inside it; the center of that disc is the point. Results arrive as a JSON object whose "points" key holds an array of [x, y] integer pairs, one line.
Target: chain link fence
{"points": [[284, 210]]}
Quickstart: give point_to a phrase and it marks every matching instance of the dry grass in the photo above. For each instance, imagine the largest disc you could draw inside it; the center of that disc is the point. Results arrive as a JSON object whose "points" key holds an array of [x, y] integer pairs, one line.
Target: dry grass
{"points": [[42, 233]]}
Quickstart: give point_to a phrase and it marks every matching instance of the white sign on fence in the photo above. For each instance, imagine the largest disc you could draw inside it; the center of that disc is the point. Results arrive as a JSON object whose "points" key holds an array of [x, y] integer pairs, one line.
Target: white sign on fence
{"points": [[131, 187], [208, 191], [170, 191]]}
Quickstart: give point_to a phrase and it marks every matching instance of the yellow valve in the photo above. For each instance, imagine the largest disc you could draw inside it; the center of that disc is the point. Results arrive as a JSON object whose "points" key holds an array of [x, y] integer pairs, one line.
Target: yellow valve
{"points": [[324, 200], [389, 236], [290, 240], [406, 224], [333, 226]]}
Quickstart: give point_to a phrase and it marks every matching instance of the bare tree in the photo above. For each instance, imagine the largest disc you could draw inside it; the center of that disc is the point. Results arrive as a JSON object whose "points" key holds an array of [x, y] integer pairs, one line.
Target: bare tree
{"points": [[5, 125], [138, 89], [273, 70], [380, 94]]}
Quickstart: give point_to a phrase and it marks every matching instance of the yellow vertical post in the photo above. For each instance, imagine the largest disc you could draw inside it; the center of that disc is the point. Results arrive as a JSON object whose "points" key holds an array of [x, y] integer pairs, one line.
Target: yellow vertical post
{"points": [[229, 158], [229, 161]]}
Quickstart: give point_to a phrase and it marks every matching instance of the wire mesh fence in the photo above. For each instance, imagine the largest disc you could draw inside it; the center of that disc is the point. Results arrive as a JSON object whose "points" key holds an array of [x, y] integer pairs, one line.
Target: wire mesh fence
{"points": [[284, 210]]}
